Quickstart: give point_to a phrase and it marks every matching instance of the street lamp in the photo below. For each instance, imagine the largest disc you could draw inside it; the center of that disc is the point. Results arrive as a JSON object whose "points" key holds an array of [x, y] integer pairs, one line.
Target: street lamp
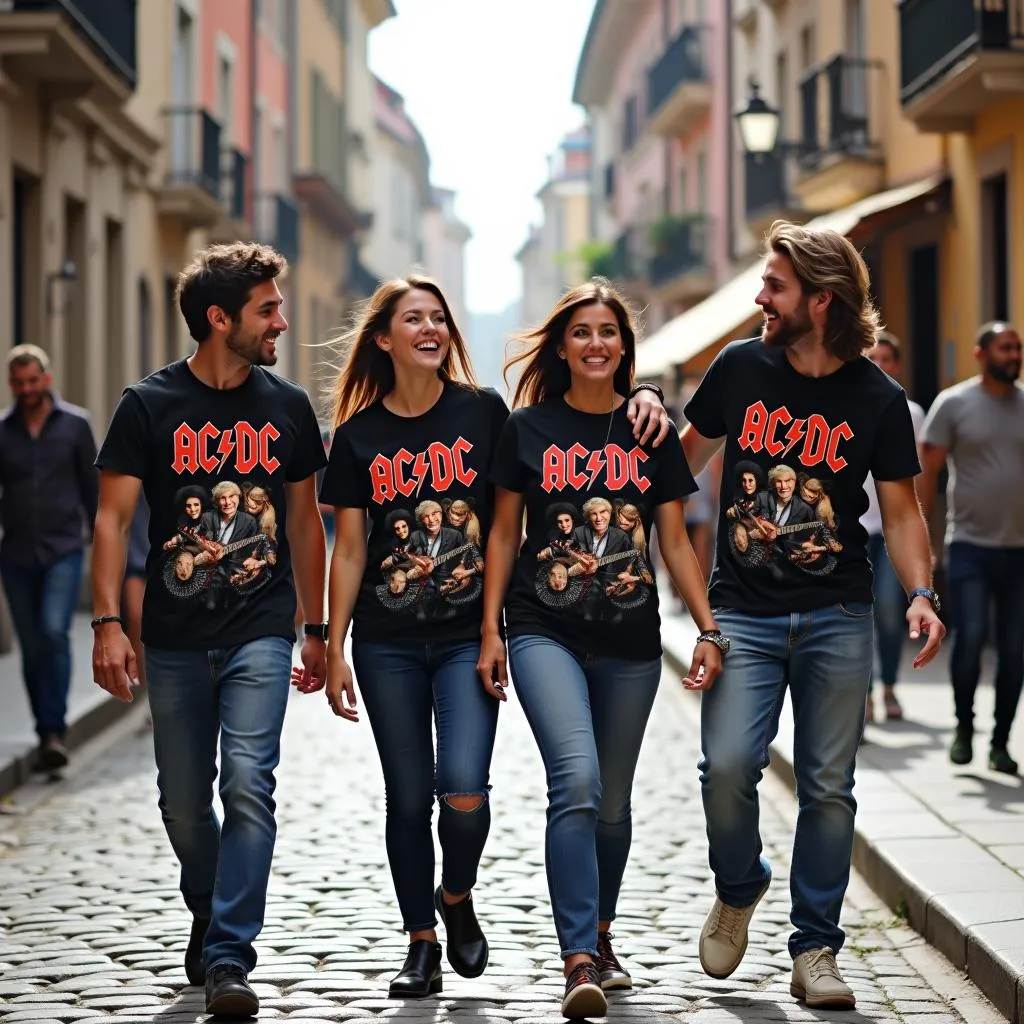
{"points": [[758, 123]]}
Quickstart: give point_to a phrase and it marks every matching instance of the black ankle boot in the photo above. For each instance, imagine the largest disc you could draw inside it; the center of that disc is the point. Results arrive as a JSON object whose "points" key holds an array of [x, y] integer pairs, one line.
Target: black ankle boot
{"points": [[467, 947], [195, 969], [421, 974]]}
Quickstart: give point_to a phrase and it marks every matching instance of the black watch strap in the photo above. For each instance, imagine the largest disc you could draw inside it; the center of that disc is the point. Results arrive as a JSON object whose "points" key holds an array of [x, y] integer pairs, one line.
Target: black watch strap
{"points": [[648, 386], [317, 629]]}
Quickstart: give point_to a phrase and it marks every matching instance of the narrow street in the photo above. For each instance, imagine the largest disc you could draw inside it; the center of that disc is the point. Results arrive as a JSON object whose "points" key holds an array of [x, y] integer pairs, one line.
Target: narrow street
{"points": [[92, 926]]}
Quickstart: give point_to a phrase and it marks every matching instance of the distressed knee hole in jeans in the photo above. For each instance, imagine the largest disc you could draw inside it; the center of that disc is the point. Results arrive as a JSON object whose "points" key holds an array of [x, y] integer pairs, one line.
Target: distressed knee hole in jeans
{"points": [[467, 803]]}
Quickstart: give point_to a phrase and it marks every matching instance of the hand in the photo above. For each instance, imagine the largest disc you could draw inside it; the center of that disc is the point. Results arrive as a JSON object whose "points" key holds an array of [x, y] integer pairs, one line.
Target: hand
{"points": [[923, 618], [491, 666], [341, 690], [705, 667], [460, 572], [648, 417], [114, 666], [313, 673]]}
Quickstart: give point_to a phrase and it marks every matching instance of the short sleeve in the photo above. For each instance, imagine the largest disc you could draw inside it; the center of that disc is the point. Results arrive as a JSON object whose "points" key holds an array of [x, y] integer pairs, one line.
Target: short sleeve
{"points": [[705, 410], [309, 454], [895, 453], [674, 479], [127, 447], [507, 469], [346, 483], [917, 417], [939, 428]]}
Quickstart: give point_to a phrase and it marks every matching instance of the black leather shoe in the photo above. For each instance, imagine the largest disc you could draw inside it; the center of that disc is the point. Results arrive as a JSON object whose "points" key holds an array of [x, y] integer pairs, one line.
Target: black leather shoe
{"points": [[228, 993], [467, 948], [421, 974], [195, 969]]}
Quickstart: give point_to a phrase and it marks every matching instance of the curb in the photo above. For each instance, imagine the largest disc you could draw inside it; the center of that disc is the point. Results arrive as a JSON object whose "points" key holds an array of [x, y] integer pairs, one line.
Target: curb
{"points": [[989, 952], [89, 722]]}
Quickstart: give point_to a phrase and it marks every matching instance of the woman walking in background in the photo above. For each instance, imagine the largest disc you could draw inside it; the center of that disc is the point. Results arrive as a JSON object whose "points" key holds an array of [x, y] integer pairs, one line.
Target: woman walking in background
{"points": [[565, 455]]}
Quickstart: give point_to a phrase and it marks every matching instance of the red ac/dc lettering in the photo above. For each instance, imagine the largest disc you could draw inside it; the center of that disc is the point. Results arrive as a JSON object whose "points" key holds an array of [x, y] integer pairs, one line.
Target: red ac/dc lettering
{"points": [[405, 474], [778, 433], [579, 468], [209, 448]]}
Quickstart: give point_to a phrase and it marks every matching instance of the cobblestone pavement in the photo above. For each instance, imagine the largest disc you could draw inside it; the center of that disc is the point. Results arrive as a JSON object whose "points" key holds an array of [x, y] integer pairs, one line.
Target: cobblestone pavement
{"points": [[92, 927]]}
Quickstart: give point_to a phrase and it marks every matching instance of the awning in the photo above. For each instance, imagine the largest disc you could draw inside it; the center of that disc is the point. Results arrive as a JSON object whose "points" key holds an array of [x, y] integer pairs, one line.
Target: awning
{"points": [[727, 309]]}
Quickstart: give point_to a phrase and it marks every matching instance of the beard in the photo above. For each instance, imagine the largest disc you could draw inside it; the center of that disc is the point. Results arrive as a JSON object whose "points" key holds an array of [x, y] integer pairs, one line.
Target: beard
{"points": [[1005, 374], [250, 346], [790, 328]]}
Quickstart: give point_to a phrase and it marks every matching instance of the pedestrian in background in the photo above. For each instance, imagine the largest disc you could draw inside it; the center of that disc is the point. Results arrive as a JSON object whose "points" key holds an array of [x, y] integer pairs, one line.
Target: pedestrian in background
{"points": [[227, 453], [977, 428], [804, 418], [890, 600], [411, 453], [582, 610], [50, 488]]}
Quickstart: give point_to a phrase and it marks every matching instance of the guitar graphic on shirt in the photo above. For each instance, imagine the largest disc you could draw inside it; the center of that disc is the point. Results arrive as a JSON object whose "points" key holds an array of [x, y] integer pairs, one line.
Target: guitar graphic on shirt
{"points": [[591, 563], [451, 585], [217, 550]]}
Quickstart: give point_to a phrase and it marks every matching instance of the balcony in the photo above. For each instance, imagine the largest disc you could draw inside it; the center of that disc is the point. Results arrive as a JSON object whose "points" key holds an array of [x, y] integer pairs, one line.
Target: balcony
{"points": [[678, 270], [234, 221], [678, 88], [956, 58], [83, 47], [277, 223], [840, 155], [767, 192], [191, 191], [326, 198]]}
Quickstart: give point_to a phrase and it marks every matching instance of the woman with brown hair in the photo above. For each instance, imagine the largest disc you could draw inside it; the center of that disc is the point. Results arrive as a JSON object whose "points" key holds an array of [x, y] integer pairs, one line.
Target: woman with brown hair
{"points": [[587, 689], [414, 433]]}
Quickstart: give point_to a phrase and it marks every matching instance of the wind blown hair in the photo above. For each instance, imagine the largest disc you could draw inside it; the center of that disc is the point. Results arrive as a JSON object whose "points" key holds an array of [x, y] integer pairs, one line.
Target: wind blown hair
{"points": [[367, 373], [826, 261], [546, 375]]}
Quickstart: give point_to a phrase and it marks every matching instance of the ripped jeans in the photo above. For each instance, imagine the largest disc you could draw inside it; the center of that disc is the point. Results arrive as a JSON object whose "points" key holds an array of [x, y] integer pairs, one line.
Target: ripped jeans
{"points": [[406, 689]]}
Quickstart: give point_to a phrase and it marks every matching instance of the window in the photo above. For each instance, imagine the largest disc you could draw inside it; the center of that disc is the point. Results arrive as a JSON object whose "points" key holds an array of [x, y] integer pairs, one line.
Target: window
{"points": [[684, 190], [630, 123]]}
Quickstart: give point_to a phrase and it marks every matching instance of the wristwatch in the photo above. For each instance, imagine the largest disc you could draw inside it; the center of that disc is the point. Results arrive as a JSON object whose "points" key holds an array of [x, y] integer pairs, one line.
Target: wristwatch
{"points": [[929, 594], [317, 629], [648, 386], [714, 636]]}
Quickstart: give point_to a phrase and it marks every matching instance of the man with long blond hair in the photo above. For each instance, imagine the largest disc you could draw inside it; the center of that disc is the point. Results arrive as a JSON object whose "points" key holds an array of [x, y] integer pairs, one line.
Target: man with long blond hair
{"points": [[802, 398]]}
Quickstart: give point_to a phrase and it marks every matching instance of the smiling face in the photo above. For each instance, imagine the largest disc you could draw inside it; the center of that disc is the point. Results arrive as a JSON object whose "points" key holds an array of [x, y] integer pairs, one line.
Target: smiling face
{"points": [[431, 521], [784, 486], [599, 518], [227, 502], [786, 309], [593, 345], [417, 338], [260, 323], [193, 508], [564, 523]]}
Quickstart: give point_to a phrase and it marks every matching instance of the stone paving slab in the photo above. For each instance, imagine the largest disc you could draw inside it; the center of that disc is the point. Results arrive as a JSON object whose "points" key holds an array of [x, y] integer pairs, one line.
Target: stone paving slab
{"points": [[930, 836], [92, 927]]}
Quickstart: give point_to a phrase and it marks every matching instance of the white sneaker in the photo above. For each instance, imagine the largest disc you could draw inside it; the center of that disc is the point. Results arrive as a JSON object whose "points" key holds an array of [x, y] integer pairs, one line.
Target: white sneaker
{"points": [[723, 939], [817, 981]]}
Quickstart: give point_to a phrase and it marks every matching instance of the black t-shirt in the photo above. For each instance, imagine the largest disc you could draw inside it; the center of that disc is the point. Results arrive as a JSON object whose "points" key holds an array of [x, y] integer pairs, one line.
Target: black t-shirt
{"points": [[797, 452], [584, 577], [423, 483], [213, 464]]}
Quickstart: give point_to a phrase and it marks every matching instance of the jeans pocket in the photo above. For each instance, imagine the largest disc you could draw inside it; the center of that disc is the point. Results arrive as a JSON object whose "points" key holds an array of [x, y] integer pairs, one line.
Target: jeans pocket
{"points": [[855, 609]]}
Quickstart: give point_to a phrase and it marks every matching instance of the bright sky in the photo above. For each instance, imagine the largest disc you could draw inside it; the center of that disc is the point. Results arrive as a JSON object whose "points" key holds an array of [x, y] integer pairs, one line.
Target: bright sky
{"points": [[490, 87]]}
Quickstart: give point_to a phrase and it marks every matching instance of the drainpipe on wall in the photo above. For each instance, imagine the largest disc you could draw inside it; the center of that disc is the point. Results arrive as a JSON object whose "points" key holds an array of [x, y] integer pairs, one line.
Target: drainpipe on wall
{"points": [[730, 170]]}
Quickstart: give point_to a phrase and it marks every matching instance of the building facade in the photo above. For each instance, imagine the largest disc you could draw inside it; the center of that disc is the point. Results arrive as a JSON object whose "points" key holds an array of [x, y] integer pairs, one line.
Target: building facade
{"points": [[653, 78], [557, 255]]}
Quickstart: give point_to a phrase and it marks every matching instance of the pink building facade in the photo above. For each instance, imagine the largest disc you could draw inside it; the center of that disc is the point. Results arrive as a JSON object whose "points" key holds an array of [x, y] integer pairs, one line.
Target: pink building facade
{"points": [[653, 78]]}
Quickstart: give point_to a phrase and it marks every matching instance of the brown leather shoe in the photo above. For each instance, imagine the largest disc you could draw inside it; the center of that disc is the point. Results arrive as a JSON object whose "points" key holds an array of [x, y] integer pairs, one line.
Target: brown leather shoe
{"points": [[613, 974]]}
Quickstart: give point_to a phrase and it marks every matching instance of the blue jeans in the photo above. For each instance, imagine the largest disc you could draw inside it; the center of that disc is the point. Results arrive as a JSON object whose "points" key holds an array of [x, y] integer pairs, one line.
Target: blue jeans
{"points": [[238, 694], [825, 658], [405, 689], [42, 601], [980, 579], [588, 716], [890, 610]]}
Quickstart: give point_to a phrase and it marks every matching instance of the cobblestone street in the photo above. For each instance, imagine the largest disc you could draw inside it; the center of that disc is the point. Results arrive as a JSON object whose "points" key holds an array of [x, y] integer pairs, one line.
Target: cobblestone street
{"points": [[92, 926]]}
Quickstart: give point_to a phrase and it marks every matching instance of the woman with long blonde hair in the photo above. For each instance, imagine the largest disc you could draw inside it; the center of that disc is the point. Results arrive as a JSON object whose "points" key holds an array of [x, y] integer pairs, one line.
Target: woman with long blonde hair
{"points": [[581, 612]]}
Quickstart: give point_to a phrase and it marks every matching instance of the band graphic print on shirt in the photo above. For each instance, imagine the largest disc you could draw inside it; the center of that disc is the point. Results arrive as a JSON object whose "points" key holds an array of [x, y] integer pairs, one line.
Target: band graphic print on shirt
{"points": [[785, 516], [225, 543]]}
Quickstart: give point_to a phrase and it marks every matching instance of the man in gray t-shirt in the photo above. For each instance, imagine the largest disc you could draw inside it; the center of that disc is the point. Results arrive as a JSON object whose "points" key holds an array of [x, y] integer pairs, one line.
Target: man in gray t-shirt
{"points": [[977, 428]]}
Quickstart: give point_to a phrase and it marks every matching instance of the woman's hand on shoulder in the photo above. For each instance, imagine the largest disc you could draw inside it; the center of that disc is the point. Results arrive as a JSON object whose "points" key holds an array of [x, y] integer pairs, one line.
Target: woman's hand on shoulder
{"points": [[491, 666]]}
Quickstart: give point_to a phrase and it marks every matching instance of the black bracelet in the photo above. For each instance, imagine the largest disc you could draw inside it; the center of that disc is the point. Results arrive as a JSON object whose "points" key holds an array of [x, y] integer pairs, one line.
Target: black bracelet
{"points": [[648, 386], [106, 618]]}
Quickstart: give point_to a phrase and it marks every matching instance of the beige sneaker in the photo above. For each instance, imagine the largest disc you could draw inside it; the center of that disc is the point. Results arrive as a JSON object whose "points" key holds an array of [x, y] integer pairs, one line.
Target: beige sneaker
{"points": [[723, 939], [817, 981]]}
